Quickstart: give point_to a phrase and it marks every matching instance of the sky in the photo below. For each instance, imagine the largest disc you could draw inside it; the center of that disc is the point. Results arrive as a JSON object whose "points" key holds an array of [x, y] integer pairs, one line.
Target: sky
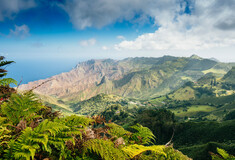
{"points": [[73, 30]]}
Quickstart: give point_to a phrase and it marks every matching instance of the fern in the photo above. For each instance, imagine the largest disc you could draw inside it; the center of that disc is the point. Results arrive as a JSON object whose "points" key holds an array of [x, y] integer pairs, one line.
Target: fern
{"points": [[2, 120], [105, 149], [21, 106], [171, 153], [3, 64], [43, 137], [118, 131], [143, 135], [4, 134], [59, 133], [76, 121], [135, 149], [26, 145], [51, 127], [223, 155], [7, 81]]}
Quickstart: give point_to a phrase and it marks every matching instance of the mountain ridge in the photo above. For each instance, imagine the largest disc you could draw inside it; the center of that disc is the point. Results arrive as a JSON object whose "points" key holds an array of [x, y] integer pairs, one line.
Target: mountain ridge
{"points": [[138, 77]]}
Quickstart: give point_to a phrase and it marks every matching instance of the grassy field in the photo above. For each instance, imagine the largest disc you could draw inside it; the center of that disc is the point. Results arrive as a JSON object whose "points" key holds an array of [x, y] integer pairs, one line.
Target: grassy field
{"points": [[158, 101], [192, 111], [184, 93]]}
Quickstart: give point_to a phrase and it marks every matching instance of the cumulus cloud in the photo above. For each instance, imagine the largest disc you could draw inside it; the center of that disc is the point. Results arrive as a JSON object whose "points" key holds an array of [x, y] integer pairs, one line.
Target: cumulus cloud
{"points": [[20, 31], [89, 42], [206, 24], [210, 24], [98, 13], [8, 8]]}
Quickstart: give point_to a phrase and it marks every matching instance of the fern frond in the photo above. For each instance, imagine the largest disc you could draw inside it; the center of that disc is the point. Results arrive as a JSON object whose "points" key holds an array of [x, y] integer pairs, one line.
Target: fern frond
{"points": [[118, 131], [21, 106], [76, 121], [4, 63], [135, 149], [105, 149], [4, 135], [171, 153], [143, 134], [2, 120], [7, 81], [39, 139], [223, 155], [25, 145], [20, 155], [52, 127]]}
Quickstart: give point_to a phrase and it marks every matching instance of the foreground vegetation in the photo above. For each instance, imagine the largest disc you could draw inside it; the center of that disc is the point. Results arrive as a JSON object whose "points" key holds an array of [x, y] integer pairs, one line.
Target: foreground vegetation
{"points": [[30, 130]]}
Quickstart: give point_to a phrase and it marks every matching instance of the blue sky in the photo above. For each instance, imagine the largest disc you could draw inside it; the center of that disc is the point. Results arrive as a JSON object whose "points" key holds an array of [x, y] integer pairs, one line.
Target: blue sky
{"points": [[44, 30], [75, 30]]}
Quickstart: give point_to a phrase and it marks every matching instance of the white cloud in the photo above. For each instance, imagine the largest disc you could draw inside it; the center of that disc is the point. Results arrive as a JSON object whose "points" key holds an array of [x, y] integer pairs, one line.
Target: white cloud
{"points": [[105, 48], [211, 24], [8, 8], [20, 31], [121, 37], [89, 42], [98, 13]]}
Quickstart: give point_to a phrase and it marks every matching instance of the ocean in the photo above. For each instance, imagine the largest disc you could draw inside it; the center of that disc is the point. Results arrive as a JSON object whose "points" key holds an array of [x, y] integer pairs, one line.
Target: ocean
{"points": [[32, 70]]}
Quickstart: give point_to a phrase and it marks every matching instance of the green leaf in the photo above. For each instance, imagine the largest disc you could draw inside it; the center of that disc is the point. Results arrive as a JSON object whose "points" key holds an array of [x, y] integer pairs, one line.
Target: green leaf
{"points": [[7, 81]]}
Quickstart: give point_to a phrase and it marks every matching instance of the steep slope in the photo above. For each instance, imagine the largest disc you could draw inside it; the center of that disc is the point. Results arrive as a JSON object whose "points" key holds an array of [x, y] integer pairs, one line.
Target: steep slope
{"points": [[228, 81], [230, 76], [83, 77], [209, 78], [131, 77]]}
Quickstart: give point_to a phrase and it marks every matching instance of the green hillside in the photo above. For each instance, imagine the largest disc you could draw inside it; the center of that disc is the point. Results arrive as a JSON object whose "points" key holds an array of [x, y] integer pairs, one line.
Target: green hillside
{"points": [[204, 99], [230, 76], [99, 103], [151, 77]]}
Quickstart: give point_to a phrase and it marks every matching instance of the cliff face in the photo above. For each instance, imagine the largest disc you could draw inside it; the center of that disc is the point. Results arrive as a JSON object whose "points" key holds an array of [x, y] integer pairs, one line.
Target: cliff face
{"points": [[84, 76], [131, 77]]}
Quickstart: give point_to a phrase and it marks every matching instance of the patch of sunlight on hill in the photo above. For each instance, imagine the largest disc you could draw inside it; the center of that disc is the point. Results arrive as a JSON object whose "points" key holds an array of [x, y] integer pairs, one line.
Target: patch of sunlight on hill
{"points": [[193, 110], [217, 71], [186, 78], [185, 93]]}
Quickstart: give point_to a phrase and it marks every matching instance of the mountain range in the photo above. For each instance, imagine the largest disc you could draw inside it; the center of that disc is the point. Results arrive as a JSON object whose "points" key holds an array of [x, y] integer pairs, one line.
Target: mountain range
{"points": [[131, 77]]}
